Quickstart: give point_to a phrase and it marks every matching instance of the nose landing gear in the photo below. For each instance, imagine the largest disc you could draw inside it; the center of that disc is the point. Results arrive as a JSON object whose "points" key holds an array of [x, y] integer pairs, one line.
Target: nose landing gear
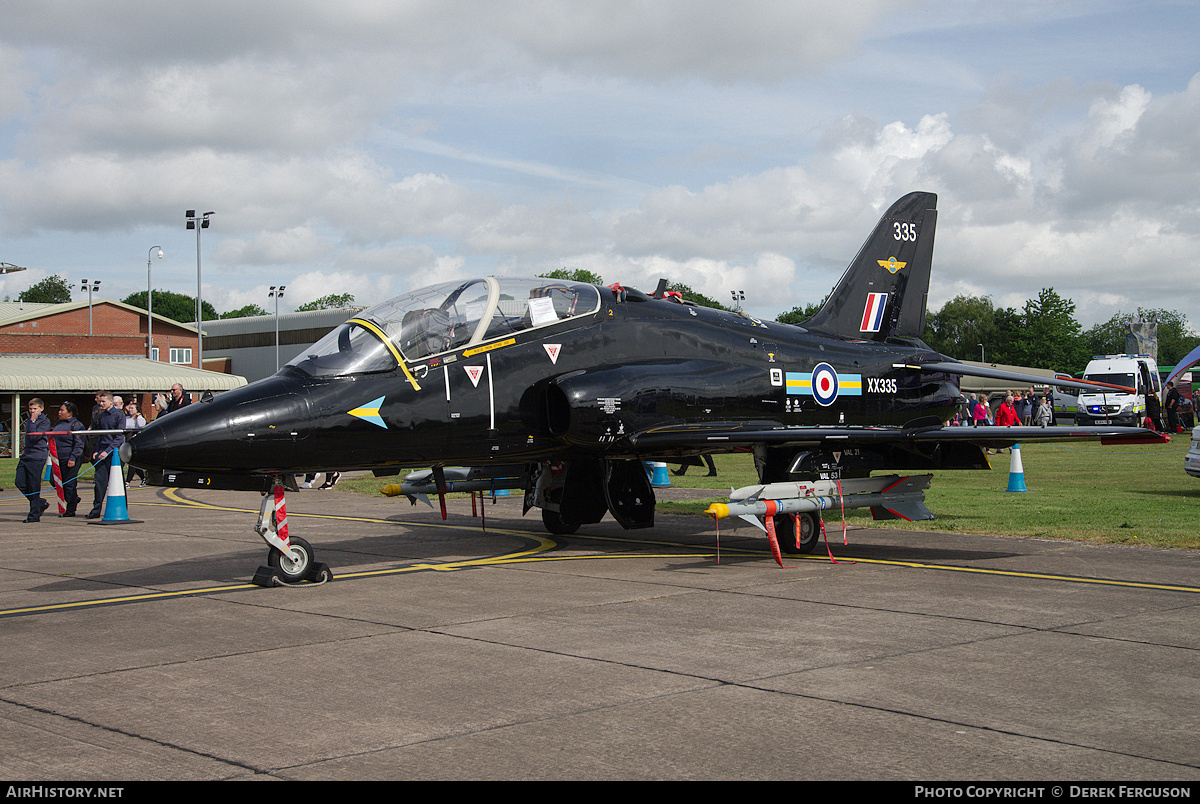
{"points": [[289, 560]]}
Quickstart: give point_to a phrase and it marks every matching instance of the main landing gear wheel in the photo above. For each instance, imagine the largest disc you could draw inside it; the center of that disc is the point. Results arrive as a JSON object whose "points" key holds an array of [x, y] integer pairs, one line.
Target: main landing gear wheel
{"points": [[294, 565], [810, 532], [555, 523]]}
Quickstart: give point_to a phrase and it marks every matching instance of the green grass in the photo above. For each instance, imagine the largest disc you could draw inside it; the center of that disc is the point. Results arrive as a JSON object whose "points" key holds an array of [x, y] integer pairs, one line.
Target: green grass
{"points": [[1137, 495]]}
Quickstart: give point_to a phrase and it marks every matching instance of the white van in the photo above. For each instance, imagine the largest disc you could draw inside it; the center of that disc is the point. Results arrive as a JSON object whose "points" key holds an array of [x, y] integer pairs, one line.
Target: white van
{"points": [[1117, 407]]}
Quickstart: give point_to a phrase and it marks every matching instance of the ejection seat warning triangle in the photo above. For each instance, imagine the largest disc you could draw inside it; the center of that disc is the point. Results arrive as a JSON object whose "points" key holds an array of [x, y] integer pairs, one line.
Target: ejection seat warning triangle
{"points": [[552, 350], [474, 372]]}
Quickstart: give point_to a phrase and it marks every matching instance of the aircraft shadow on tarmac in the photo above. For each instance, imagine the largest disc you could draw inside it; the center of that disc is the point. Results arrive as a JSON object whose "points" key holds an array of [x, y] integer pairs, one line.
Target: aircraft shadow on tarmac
{"points": [[462, 538]]}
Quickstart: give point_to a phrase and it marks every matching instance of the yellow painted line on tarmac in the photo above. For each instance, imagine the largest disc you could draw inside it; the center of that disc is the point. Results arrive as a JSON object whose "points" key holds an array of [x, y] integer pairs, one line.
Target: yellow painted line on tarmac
{"points": [[543, 544], [849, 559], [1016, 574]]}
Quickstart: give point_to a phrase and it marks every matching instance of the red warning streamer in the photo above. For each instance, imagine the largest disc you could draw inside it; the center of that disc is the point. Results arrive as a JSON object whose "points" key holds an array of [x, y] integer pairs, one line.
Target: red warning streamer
{"points": [[281, 528], [58, 481]]}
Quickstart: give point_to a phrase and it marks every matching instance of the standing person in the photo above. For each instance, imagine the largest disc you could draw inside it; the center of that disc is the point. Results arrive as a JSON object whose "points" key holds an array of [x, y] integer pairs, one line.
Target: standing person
{"points": [[1153, 411], [1185, 412], [133, 421], [178, 399], [109, 419], [1024, 407], [1044, 413], [979, 413], [70, 453], [1171, 403], [33, 459], [1006, 416], [90, 446]]}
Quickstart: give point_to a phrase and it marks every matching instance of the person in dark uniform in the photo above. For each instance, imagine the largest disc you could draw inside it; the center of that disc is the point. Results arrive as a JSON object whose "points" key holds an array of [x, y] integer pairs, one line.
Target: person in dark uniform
{"points": [[1153, 411], [109, 419], [70, 453], [1171, 403], [33, 459], [178, 399]]}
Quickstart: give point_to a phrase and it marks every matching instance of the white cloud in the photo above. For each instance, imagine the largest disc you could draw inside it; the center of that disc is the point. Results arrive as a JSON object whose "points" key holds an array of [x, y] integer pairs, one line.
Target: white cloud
{"points": [[301, 245], [405, 142]]}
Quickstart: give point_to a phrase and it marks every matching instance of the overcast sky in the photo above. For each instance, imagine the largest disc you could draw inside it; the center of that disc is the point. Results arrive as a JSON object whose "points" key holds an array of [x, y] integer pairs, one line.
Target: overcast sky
{"points": [[375, 147]]}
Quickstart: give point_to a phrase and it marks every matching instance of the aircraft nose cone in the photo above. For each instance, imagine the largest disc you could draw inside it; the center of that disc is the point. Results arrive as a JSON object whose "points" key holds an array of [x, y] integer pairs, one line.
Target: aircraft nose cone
{"points": [[146, 448]]}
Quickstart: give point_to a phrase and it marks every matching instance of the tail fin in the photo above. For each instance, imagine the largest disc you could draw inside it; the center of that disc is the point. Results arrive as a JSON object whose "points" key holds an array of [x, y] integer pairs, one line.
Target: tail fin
{"points": [[884, 291]]}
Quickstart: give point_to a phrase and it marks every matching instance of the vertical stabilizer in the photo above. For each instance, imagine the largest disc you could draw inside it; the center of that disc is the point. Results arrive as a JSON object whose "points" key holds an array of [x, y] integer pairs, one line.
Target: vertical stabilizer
{"points": [[884, 291]]}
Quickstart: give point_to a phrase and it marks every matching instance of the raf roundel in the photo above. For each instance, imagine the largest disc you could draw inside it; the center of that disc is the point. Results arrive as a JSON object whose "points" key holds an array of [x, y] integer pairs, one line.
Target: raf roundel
{"points": [[824, 384]]}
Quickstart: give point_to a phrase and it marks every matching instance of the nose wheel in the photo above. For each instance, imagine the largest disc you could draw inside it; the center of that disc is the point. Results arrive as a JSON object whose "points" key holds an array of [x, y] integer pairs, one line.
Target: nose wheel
{"points": [[294, 563], [290, 560]]}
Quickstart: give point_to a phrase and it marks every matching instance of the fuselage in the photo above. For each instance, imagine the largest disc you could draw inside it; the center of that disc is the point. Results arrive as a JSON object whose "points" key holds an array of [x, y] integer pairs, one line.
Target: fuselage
{"points": [[523, 379]]}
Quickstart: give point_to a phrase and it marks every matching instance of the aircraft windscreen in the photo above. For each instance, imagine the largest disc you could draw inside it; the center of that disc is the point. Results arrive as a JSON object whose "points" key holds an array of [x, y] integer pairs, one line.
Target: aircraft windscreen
{"points": [[349, 349]]}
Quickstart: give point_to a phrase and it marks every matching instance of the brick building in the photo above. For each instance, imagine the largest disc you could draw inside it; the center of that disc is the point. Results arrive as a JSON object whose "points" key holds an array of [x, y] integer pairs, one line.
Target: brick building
{"points": [[116, 329], [55, 352]]}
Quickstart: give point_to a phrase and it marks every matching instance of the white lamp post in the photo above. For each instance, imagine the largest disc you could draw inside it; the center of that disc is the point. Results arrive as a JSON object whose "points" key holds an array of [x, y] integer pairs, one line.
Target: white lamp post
{"points": [[150, 303]]}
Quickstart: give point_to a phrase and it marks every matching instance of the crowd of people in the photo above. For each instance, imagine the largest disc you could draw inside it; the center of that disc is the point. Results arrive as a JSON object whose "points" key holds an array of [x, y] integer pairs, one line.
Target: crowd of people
{"points": [[112, 417], [1174, 414], [1030, 408], [78, 446]]}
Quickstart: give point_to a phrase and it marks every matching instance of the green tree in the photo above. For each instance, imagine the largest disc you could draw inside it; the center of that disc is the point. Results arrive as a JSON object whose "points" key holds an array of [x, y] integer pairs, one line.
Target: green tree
{"points": [[1002, 347], [333, 301], [1050, 337], [245, 312], [175, 306], [51, 290], [798, 315], [1175, 335], [576, 275], [961, 325], [695, 296]]}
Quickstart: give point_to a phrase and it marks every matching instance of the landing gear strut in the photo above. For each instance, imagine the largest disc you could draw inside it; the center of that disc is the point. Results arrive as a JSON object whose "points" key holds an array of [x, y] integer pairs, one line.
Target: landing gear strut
{"points": [[289, 560]]}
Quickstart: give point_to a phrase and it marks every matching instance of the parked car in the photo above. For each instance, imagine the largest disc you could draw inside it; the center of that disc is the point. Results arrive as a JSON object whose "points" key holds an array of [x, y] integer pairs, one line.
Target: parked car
{"points": [[1191, 461], [1139, 372]]}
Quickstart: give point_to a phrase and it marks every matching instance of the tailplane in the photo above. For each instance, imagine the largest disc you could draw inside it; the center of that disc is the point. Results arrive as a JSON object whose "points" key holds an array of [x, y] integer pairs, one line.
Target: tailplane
{"points": [[884, 291]]}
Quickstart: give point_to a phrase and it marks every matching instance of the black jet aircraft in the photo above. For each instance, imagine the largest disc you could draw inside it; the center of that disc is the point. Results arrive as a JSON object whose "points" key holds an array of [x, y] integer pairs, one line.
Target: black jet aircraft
{"points": [[570, 386]]}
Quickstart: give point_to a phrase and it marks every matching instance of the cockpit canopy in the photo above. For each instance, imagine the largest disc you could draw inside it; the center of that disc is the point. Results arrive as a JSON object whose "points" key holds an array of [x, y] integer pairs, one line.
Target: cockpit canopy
{"points": [[442, 318]]}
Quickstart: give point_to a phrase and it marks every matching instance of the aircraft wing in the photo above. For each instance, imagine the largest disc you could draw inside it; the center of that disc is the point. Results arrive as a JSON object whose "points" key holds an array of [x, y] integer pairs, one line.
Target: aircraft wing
{"points": [[719, 435], [952, 367]]}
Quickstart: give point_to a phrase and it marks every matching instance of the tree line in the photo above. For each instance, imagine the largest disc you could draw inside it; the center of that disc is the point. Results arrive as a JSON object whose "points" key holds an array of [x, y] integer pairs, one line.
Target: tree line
{"points": [[169, 304], [1042, 334]]}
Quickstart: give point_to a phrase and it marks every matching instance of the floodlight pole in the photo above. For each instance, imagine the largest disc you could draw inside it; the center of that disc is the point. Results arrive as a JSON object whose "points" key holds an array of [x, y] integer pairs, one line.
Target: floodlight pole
{"points": [[198, 222], [277, 295], [89, 287], [150, 303]]}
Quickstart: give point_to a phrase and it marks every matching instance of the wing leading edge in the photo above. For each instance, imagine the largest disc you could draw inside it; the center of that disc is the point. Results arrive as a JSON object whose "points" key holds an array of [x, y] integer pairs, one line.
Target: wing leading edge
{"points": [[716, 435]]}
